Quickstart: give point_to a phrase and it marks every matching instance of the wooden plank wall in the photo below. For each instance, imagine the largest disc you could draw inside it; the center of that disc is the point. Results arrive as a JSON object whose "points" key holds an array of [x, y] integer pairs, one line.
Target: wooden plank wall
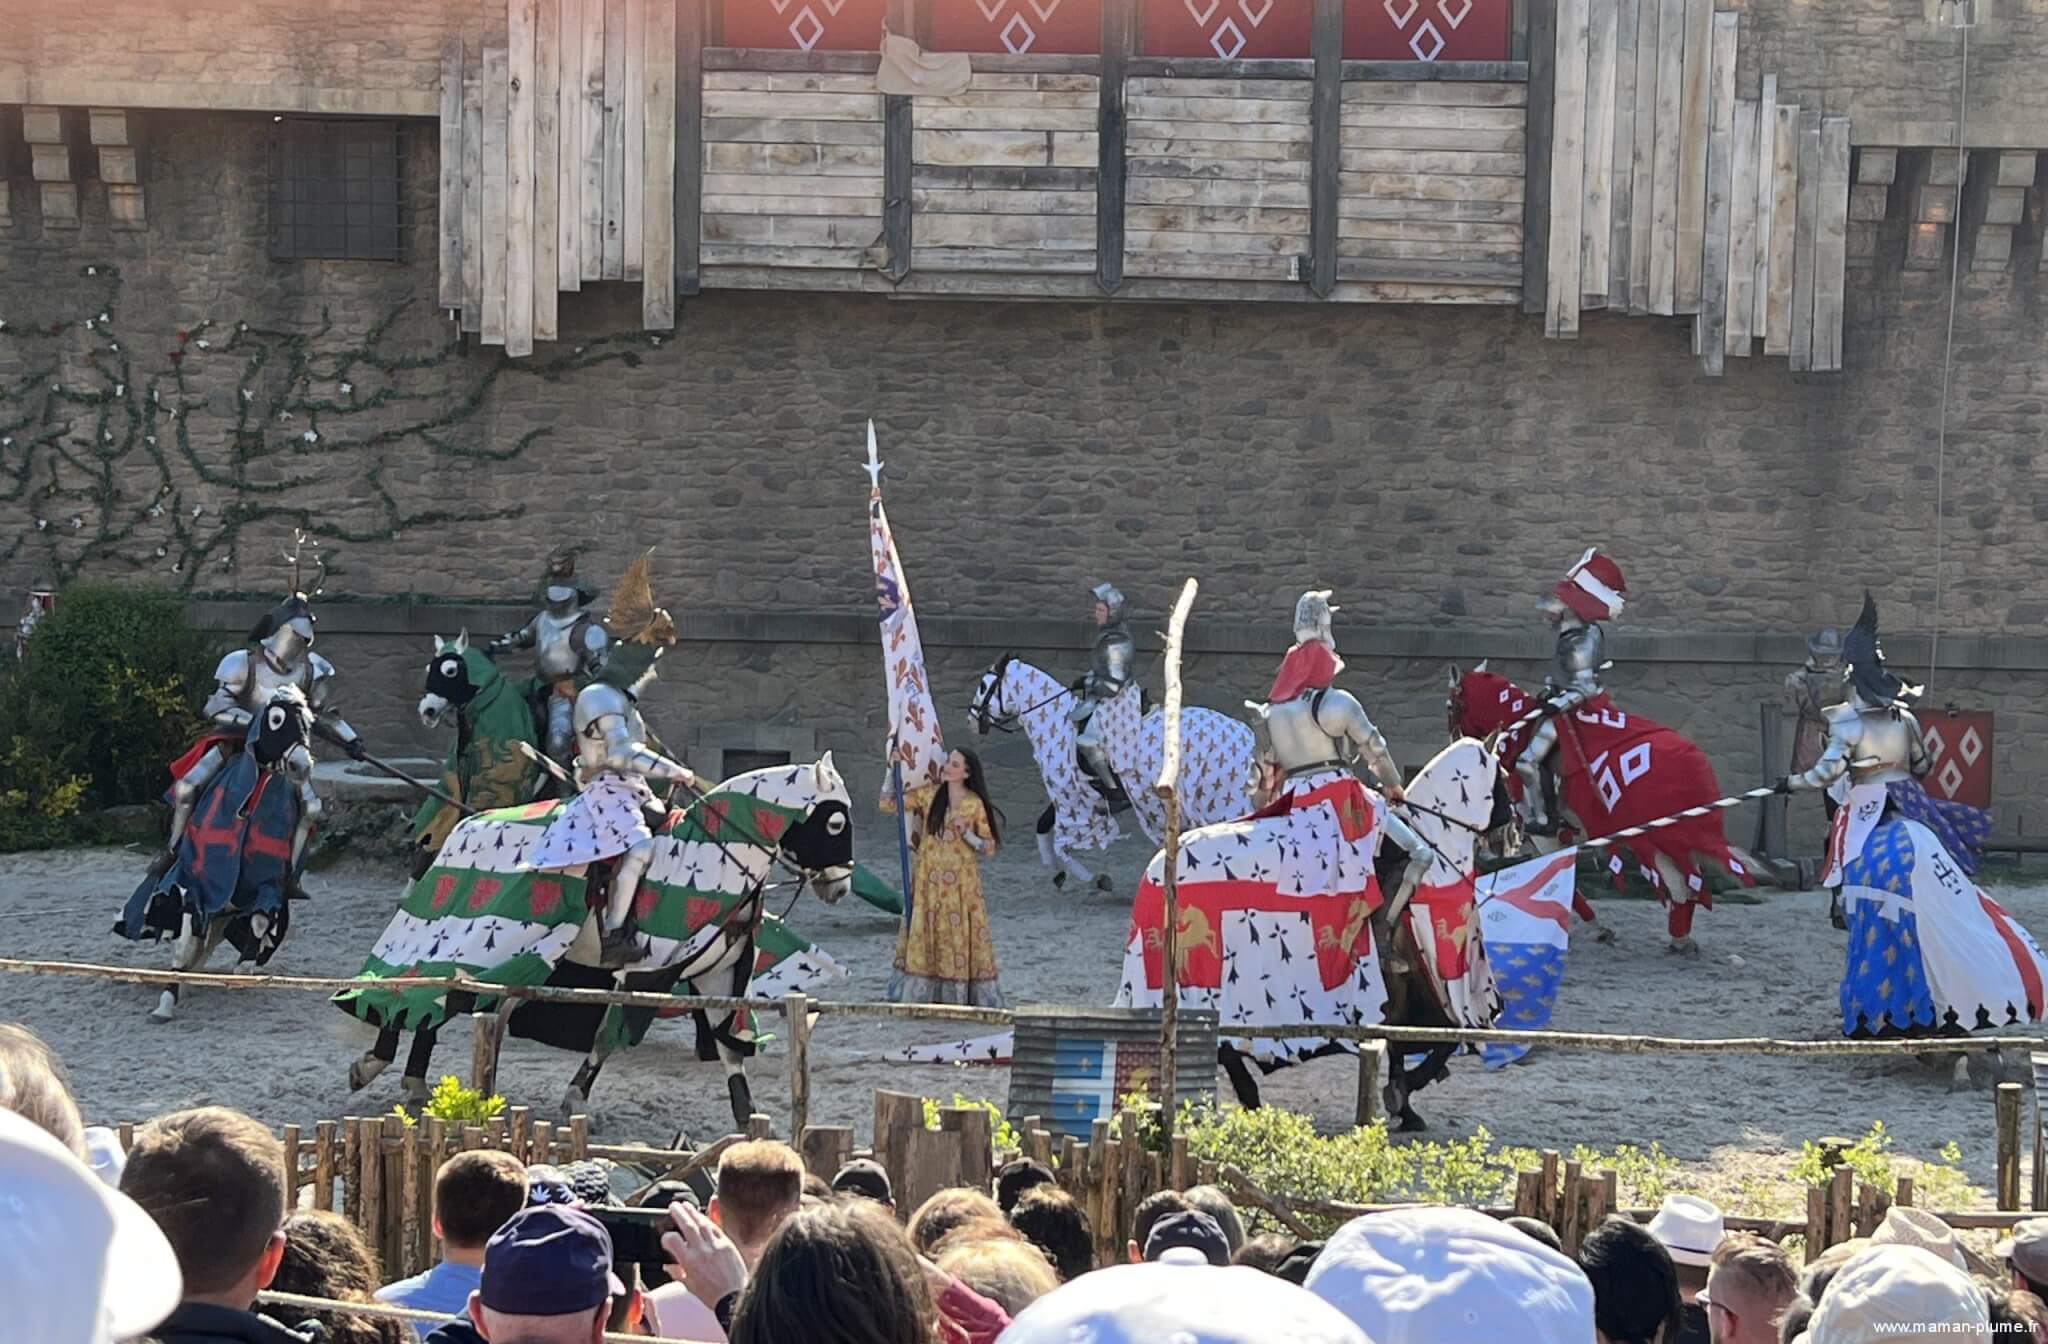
{"points": [[1238, 151], [792, 169], [1686, 193], [1431, 195], [1003, 177], [526, 164]]}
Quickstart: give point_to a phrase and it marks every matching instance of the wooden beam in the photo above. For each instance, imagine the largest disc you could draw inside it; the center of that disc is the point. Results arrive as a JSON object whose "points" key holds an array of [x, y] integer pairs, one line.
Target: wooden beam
{"points": [[658, 195], [633, 134], [1740, 294], [1766, 139], [448, 290], [691, 22], [1784, 226], [1596, 221], [1643, 155], [572, 80], [898, 156], [1567, 171], [1670, 137], [1696, 116], [718, 57], [1804, 233], [522, 18], [1710, 327], [1326, 145], [1518, 31], [590, 146], [1536, 155], [547, 168], [1830, 245], [472, 196], [497, 192], [1119, 44], [1626, 34], [613, 244]]}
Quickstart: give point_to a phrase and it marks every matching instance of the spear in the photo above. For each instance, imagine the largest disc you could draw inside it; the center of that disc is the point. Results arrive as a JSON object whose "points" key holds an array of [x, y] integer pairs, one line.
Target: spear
{"points": [[384, 768]]}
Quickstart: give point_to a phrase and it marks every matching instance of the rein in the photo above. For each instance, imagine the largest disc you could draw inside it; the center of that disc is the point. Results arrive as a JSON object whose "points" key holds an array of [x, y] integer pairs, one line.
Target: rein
{"points": [[985, 708]]}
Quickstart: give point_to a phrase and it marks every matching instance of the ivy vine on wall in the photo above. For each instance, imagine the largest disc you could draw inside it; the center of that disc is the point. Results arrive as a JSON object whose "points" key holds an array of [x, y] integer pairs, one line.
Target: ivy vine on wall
{"points": [[161, 454]]}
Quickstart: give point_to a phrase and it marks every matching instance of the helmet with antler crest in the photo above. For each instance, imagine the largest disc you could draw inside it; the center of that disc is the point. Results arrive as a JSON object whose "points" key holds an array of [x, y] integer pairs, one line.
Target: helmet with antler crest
{"points": [[286, 630]]}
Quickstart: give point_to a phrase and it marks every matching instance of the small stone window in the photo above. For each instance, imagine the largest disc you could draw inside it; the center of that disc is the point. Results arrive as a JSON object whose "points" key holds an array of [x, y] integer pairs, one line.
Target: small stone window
{"points": [[336, 189]]}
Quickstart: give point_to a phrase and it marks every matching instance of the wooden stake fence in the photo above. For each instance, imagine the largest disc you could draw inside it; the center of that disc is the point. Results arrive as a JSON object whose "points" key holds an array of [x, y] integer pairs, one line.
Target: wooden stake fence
{"points": [[1168, 788]]}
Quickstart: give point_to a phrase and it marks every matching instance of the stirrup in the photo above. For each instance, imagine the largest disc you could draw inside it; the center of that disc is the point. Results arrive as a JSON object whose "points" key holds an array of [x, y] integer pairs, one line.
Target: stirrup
{"points": [[1547, 827], [621, 946]]}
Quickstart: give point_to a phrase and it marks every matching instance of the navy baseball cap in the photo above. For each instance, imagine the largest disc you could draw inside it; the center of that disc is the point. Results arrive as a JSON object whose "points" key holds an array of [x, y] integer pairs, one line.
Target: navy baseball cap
{"points": [[1191, 1230], [549, 1261]]}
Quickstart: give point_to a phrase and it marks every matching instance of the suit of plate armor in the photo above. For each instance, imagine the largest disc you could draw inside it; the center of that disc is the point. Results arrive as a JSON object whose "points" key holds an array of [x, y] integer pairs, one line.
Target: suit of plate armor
{"points": [[280, 654], [569, 646], [1872, 735], [1108, 673], [1574, 679]]}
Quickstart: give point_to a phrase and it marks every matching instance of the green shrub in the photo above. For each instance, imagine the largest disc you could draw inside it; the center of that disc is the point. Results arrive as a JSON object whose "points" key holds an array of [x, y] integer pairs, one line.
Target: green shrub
{"points": [[458, 1105], [108, 695], [1002, 1138]]}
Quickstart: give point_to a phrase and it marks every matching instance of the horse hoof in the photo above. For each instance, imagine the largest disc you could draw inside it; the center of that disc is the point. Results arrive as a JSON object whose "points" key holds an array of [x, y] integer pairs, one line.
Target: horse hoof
{"points": [[1059, 880], [1683, 947], [1411, 1123], [364, 1071], [166, 1008], [1394, 1099], [1104, 885], [1959, 1081], [159, 1016], [1604, 935], [415, 1090], [574, 1103]]}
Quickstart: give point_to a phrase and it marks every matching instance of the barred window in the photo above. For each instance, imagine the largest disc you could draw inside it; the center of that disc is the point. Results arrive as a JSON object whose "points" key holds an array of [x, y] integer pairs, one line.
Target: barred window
{"points": [[335, 189]]}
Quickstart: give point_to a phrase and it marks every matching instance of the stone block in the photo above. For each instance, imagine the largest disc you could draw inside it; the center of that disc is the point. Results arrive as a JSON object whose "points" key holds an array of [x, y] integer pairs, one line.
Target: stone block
{"points": [[1877, 166], [107, 126], [60, 205], [1868, 202], [42, 125]]}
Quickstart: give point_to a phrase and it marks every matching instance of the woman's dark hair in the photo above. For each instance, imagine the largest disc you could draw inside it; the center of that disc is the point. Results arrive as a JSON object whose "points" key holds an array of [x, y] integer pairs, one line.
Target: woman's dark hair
{"points": [[836, 1274], [1265, 1252], [1055, 1223], [324, 1256], [977, 784], [1635, 1285]]}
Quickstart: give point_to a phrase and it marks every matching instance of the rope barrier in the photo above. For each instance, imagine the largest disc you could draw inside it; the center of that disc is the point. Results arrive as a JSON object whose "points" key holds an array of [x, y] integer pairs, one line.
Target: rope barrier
{"points": [[465, 984], [1635, 1045], [386, 1312]]}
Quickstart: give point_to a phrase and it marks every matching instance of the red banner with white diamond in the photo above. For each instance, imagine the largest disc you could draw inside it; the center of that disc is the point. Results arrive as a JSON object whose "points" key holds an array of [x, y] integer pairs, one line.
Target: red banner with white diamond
{"points": [[1959, 754], [1427, 30], [1018, 27], [1230, 29], [805, 25]]}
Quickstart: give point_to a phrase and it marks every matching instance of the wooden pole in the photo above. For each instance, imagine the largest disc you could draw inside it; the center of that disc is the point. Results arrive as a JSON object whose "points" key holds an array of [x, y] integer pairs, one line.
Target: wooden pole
{"points": [[1168, 789], [1371, 1054], [579, 1138], [520, 1131], [1841, 1205], [2008, 1102], [370, 1174], [323, 1165], [483, 1052], [1241, 1186], [351, 1170], [291, 1168], [796, 1018]]}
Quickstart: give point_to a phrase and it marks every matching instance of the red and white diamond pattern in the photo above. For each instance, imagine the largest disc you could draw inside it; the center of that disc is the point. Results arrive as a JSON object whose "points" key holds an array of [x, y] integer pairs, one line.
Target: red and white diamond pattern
{"points": [[1018, 34], [1226, 36], [1427, 40], [805, 26], [1959, 752]]}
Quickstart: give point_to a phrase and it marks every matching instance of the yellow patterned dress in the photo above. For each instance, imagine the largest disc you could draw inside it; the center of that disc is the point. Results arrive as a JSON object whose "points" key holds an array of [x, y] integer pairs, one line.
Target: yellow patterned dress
{"points": [[944, 953]]}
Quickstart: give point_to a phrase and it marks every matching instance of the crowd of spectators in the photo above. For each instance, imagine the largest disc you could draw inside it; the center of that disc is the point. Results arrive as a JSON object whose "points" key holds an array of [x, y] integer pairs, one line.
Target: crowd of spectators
{"points": [[177, 1240]]}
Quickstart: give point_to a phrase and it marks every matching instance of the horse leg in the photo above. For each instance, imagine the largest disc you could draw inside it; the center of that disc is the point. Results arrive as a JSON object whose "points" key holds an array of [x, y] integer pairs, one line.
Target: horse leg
{"points": [[707, 1039], [1241, 1081], [417, 1061], [184, 953], [1678, 920], [737, 1089], [576, 1100], [375, 1060]]}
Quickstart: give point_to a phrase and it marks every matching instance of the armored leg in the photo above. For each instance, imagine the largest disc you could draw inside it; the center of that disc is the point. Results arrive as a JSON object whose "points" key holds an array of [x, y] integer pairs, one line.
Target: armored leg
{"points": [[619, 944], [185, 795], [310, 809], [1529, 768], [561, 735]]}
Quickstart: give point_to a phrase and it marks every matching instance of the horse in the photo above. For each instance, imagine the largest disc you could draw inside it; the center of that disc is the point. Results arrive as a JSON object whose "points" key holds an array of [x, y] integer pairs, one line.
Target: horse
{"points": [[480, 910], [485, 768], [1215, 765], [236, 868], [1617, 770], [1013, 694], [1279, 924]]}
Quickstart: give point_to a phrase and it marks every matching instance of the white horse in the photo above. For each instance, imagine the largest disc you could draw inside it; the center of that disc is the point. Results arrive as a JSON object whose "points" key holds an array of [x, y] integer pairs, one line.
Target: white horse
{"points": [[1215, 767], [1013, 694]]}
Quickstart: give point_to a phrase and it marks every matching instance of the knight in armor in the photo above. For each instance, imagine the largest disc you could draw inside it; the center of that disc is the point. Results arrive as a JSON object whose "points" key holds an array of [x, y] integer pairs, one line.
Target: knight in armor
{"points": [[1109, 671], [1809, 693], [1591, 592], [614, 812], [279, 653], [569, 648]]}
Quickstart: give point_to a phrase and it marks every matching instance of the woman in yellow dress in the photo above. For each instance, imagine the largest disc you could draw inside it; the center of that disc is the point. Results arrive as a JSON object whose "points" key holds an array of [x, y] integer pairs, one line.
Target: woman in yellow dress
{"points": [[943, 952]]}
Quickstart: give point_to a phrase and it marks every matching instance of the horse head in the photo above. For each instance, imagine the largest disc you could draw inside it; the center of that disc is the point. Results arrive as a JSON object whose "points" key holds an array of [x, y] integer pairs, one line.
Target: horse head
{"points": [[817, 820], [456, 675], [1482, 702], [281, 734], [989, 708]]}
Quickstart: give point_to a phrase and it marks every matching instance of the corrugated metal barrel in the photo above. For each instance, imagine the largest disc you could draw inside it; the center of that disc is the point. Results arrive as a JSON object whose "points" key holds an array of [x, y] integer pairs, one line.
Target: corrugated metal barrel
{"points": [[1071, 1064]]}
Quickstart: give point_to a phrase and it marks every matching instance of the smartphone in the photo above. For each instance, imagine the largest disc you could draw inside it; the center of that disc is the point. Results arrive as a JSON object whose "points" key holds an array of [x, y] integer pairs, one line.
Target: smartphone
{"points": [[636, 1234]]}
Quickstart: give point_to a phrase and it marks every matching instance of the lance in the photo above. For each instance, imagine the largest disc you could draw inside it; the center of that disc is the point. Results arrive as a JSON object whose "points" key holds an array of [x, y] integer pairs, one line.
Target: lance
{"points": [[1659, 823], [384, 768]]}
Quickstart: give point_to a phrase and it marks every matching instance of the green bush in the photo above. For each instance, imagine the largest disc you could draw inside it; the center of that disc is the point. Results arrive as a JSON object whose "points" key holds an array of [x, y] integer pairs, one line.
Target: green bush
{"points": [[458, 1105], [1002, 1138], [108, 695]]}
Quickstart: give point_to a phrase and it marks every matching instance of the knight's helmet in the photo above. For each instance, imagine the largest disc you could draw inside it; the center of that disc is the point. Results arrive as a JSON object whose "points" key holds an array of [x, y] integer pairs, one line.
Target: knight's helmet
{"points": [[1591, 590], [559, 588], [1312, 612], [1109, 596], [286, 630], [1869, 679], [639, 629]]}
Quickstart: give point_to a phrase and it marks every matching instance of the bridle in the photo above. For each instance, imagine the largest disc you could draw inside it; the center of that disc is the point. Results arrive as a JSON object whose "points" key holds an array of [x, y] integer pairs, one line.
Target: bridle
{"points": [[988, 710]]}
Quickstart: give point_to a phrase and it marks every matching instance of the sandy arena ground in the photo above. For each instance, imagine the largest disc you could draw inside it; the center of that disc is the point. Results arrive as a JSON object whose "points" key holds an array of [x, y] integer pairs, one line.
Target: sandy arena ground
{"points": [[1767, 969]]}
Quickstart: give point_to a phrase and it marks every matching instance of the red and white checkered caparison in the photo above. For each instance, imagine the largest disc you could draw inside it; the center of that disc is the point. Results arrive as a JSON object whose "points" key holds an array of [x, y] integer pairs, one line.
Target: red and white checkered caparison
{"points": [[1593, 588]]}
